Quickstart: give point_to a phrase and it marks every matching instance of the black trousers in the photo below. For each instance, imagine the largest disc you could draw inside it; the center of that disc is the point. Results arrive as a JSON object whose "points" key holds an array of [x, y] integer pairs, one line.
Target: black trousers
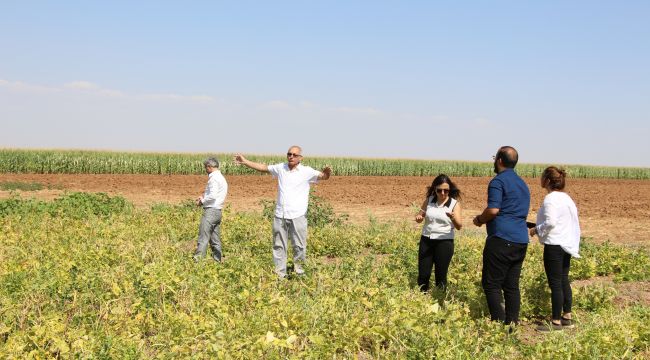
{"points": [[502, 261], [430, 253], [557, 264]]}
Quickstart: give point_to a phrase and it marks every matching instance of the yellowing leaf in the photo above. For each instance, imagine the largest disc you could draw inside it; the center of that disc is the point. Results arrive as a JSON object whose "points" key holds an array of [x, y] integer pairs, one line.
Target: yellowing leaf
{"points": [[4, 329], [117, 310], [270, 337], [433, 308], [116, 289], [60, 346], [316, 339], [366, 302]]}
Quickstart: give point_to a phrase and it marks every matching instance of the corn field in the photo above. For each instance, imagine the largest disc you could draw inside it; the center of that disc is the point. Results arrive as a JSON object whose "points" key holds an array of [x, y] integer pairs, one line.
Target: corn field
{"points": [[106, 162]]}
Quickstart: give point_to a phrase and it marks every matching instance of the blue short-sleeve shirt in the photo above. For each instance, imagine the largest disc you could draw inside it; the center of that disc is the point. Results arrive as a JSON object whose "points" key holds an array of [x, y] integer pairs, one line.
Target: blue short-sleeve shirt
{"points": [[510, 194]]}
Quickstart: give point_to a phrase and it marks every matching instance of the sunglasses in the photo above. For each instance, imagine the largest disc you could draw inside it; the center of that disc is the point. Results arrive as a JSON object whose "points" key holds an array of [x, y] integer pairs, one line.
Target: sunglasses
{"points": [[293, 155], [440, 191]]}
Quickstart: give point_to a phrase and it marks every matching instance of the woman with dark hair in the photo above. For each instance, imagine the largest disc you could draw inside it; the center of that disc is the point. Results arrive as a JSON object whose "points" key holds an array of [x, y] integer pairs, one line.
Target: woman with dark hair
{"points": [[441, 214], [558, 229]]}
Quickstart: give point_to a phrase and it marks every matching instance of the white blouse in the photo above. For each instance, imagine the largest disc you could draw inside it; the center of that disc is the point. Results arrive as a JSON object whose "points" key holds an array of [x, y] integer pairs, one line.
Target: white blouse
{"points": [[437, 225], [557, 222]]}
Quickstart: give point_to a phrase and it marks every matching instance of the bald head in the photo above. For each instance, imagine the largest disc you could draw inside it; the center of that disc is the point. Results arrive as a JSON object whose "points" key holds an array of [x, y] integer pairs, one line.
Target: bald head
{"points": [[294, 155], [508, 156], [295, 149]]}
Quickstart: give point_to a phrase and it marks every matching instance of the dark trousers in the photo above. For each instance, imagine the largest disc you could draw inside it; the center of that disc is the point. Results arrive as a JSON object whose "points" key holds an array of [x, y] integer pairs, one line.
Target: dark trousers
{"points": [[557, 264], [438, 252], [502, 261]]}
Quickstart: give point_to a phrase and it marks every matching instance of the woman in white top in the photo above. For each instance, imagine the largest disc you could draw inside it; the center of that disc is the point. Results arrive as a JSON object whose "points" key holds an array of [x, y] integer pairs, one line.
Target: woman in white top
{"points": [[558, 229], [441, 214]]}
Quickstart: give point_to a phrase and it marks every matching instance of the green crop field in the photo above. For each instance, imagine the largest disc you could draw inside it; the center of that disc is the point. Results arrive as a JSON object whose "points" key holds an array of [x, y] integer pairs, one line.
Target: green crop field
{"points": [[104, 162], [90, 276]]}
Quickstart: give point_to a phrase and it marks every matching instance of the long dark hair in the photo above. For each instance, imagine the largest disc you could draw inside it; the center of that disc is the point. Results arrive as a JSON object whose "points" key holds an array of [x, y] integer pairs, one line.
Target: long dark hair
{"points": [[454, 192]]}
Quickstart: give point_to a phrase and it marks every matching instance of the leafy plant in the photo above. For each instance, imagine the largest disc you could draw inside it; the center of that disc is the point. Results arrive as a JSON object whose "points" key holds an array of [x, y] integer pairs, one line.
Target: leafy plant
{"points": [[106, 280], [19, 185], [319, 213]]}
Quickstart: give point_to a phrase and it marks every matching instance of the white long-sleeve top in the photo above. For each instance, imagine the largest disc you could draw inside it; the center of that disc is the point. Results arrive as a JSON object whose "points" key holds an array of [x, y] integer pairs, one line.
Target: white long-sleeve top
{"points": [[557, 222], [215, 191]]}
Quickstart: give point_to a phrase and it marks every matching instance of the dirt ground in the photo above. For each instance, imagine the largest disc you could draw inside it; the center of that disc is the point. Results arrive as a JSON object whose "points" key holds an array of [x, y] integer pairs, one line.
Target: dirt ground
{"points": [[615, 210]]}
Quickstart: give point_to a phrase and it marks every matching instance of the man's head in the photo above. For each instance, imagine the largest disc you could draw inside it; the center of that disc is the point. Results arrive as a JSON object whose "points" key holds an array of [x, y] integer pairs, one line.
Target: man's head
{"points": [[506, 158], [211, 164], [294, 156]]}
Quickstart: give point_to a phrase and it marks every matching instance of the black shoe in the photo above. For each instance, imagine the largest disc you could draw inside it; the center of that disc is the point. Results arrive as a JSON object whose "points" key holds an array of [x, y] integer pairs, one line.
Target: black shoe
{"points": [[567, 323], [548, 327]]}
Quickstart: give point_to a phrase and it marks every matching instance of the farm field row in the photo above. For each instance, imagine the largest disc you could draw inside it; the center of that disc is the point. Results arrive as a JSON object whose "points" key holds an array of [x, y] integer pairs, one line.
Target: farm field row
{"points": [[107, 162], [107, 280], [610, 209]]}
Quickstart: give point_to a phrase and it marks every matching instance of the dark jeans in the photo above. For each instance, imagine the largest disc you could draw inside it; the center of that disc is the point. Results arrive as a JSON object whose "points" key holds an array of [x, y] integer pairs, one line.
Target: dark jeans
{"points": [[557, 263], [502, 261], [438, 252]]}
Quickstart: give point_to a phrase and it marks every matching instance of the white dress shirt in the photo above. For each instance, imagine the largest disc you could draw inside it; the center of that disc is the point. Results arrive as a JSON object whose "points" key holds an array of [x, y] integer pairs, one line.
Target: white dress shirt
{"points": [[293, 189], [557, 222], [215, 191]]}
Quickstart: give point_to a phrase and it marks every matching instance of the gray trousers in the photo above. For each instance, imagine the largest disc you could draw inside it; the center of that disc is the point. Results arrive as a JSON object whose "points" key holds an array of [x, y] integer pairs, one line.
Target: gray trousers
{"points": [[296, 230], [209, 231]]}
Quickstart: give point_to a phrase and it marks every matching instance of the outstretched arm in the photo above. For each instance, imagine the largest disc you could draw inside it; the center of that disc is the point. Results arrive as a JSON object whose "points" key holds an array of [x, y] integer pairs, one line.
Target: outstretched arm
{"points": [[325, 173], [241, 160]]}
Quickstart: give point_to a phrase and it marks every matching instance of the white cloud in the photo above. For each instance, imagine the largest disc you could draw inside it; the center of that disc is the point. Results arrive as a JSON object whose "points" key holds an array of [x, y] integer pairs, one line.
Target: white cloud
{"points": [[82, 85], [176, 98], [278, 105], [482, 122], [439, 119], [202, 98], [353, 110], [92, 88], [25, 87], [307, 104], [111, 93]]}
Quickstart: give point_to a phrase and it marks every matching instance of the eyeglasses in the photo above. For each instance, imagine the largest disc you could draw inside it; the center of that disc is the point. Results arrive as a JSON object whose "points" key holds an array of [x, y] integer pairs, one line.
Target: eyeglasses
{"points": [[440, 191], [293, 155]]}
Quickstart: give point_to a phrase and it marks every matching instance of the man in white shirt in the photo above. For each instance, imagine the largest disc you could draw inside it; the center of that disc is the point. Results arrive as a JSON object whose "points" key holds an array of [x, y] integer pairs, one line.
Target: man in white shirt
{"points": [[289, 220], [212, 201]]}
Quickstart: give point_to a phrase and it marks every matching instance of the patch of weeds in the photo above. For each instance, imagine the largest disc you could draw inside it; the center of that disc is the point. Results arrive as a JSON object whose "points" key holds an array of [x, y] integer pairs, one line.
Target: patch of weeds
{"points": [[22, 186], [319, 213]]}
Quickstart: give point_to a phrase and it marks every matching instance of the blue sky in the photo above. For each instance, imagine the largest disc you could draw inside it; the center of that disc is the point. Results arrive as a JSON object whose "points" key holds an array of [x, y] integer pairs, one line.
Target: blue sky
{"points": [[565, 82]]}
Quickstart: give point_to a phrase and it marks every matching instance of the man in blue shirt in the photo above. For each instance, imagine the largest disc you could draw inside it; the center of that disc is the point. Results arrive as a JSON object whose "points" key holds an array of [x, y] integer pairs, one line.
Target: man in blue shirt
{"points": [[507, 237]]}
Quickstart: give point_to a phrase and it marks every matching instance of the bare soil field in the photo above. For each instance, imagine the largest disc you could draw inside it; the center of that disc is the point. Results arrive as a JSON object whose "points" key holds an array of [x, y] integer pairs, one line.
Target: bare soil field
{"points": [[615, 210]]}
